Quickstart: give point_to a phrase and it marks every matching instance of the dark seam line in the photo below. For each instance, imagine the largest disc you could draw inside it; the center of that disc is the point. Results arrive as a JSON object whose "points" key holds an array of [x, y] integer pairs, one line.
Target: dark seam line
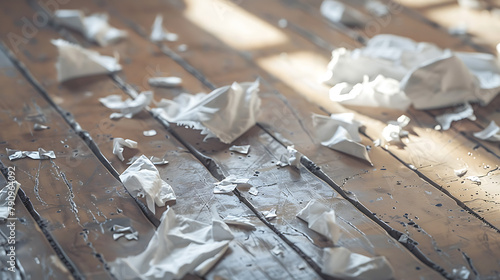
{"points": [[42, 224]]}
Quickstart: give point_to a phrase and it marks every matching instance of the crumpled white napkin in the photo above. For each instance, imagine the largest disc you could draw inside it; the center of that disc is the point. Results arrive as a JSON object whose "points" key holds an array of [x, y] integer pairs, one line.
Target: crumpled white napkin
{"points": [[143, 179], [179, 246], [225, 113], [75, 61]]}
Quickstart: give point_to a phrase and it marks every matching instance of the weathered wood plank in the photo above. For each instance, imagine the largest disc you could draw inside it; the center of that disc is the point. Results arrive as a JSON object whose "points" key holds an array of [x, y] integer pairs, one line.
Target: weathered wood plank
{"points": [[237, 64], [35, 257]]}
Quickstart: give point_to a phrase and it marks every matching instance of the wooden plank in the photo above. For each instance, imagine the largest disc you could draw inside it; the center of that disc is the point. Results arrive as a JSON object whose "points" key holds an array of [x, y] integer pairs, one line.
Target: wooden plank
{"points": [[35, 257], [77, 198], [250, 256], [409, 178]]}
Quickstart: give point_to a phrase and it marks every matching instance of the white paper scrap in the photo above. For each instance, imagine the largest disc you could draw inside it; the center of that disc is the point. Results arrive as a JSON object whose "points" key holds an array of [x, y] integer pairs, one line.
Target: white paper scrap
{"points": [[320, 219], [460, 172], [40, 154], [38, 127], [474, 179], [239, 221], [229, 184], [148, 133], [340, 132], [277, 251], [338, 12], [377, 8], [128, 232], [381, 92], [158, 161], [441, 82], [253, 190], [129, 107], [393, 132], [292, 158], [429, 76], [490, 133], [341, 263], [463, 112], [166, 82], [75, 61], [225, 113], [119, 144], [7, 197], [461, 273], [240, 149], [143, 179], [94, 27], [128, 236], [179, 246], [159, 33], [269, 215]]}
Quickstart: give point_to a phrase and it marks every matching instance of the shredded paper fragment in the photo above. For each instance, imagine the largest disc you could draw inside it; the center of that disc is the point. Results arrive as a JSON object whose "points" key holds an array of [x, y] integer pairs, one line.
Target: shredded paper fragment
{"points": [[143, 179], [179, 246], [229, 184], [40, 154], [75, 61], [94, 27], [320, 219], [159, 33], [291, 157], [129, 107], [225, 113], [341, 263], [340, 132]]}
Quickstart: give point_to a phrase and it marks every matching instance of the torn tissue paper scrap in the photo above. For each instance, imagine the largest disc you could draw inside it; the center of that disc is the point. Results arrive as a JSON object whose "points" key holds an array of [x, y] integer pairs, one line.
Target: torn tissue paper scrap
{"points": [[463, 112], [240, 149], [228, 184], [490, 133], [179, 246], [225, 113], [74, 62], [320, 219], [149, 133], [166, 82], [393, 132], [159, 33], [128, 232], [341, 263], [40, 154], [339, 13], [129, 107], [119, 144], [143, 179], [291, 157], [340, 132], [239, 221], [429, 76], [381, 92], [94, 27]]}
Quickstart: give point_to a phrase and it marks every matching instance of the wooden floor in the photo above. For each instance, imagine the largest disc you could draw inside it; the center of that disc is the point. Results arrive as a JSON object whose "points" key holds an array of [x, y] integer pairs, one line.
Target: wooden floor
{"points": [[67, 205]]}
